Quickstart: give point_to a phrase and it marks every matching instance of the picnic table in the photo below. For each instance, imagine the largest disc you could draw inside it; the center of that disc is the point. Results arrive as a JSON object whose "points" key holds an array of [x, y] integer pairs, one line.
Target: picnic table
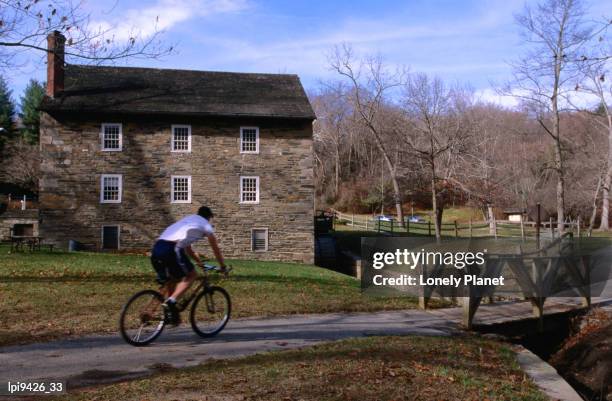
{"points": [[18, 242]]}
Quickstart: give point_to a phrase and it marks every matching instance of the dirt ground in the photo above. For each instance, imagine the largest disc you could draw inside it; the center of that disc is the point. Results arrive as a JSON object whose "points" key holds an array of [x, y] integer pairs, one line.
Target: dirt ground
{"points": [[585, 359]]}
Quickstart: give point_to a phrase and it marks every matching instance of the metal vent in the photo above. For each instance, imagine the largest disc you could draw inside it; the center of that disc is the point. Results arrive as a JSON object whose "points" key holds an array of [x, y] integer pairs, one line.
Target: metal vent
{"points": [[259, 240]]}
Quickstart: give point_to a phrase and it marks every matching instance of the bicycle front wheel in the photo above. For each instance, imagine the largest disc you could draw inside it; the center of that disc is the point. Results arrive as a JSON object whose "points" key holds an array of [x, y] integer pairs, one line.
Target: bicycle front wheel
{"points": [[142, 318], [210, 312]]}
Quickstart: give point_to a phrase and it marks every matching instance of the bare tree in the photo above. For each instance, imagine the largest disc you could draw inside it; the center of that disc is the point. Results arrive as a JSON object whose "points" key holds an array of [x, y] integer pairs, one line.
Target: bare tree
{"points": [[21, 165], [331, 128], [555, 34], [25, 25], [436, 133], [596, 83], [371, 85]]}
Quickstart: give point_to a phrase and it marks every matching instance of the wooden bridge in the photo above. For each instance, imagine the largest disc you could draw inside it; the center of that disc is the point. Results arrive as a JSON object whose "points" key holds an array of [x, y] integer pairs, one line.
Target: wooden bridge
{"points": [[535, 273]]}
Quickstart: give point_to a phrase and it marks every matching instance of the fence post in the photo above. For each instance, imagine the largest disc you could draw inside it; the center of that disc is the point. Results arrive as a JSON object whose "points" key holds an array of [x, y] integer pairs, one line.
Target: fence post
{"points": [[366, 224], [552, 230], [578, 226], [538, 222], [391, 226], [456, 230], [470, 227], [352, 219], [495, 228], [429, 227], [522, 229], [408, 226], [379, 225]]}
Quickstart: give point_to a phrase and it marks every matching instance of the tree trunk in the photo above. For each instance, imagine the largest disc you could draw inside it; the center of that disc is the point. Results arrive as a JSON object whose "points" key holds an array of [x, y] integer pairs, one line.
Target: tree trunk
{"points": [[605, 204], [434, 207], [594, 210], [398, 200], [491, 219], [439, 211], [337, 172], [560, 187]]}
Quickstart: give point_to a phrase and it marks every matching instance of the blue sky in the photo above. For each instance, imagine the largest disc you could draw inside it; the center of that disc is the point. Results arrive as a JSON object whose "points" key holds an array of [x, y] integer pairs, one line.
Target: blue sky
{"points": [[469, 42]]}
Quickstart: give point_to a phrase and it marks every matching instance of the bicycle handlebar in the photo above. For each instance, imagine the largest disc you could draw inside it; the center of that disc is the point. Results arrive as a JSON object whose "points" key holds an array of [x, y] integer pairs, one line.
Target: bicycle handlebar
{"points": [[206, 267]]}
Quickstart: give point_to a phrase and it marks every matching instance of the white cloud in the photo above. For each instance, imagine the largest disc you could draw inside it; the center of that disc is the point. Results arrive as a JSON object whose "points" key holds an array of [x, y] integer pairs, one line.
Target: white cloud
{"points": [[163, 15], [490, 95], [570, 100]]}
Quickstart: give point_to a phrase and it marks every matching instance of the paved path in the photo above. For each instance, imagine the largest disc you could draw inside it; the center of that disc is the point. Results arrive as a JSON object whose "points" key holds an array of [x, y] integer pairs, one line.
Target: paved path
{"points": [[104, 358]]}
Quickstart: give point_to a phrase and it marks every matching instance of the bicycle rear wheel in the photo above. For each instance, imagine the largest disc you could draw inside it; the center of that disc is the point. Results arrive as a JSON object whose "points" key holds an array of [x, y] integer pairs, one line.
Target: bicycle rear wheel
{"points": [[210, 312], [142, 318]]}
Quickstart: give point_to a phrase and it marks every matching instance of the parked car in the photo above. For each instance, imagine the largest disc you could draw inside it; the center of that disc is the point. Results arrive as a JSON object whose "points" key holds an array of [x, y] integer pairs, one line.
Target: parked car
{"points": [[382, 217], [416, 219]]}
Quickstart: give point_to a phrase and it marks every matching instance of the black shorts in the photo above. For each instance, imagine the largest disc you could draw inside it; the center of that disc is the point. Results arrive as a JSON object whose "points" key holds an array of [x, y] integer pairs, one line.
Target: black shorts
{"points": [[169, 262]]}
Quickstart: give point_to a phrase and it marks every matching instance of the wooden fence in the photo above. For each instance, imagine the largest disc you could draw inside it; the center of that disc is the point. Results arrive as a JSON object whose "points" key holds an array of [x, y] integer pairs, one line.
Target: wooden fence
{"points": [[497, 228]]}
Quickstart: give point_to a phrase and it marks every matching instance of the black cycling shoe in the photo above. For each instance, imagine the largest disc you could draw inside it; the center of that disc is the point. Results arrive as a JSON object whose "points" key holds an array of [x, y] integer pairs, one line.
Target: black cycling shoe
{"points": [[171, 313]]}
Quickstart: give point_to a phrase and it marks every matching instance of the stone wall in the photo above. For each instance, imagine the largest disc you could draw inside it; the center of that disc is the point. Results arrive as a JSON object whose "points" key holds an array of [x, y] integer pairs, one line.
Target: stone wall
{"points": [[72, 164]]}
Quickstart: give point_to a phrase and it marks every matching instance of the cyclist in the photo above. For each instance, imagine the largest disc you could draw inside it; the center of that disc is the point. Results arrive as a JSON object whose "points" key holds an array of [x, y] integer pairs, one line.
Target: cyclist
{"points": [[171, 253]]}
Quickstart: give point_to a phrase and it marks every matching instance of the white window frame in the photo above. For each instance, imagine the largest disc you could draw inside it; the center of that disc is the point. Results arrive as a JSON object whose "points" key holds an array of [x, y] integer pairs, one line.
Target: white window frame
{"points": [[256, 151], [172, 127], [267, 239], [172, 189], [256, 201], [118, 235], [103, 132], [102, 177]]}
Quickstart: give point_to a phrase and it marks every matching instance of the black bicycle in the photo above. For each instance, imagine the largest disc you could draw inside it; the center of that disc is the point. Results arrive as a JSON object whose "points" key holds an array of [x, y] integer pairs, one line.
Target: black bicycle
{"points": [[143, 318]]}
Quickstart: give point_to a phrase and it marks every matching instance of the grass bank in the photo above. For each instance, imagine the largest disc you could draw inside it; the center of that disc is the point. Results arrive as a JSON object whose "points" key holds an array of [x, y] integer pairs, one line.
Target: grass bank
{"points": [[365, 369], [45, 295]]}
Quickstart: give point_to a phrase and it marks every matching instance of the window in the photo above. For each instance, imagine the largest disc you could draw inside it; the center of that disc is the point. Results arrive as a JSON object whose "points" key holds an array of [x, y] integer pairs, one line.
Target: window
{"points": [[111, 188], [181, 189], [110, 237], [112, 137], [259, 239], [181, 138], [249, 189], [249, 140]]}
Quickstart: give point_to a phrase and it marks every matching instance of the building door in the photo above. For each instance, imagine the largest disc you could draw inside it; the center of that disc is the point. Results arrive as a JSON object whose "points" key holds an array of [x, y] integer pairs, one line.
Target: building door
{"points": [[110, 237]]}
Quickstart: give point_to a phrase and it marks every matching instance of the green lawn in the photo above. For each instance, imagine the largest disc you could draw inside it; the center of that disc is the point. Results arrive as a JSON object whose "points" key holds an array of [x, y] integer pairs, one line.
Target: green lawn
{"points": [[45, 295], [364, 369]]}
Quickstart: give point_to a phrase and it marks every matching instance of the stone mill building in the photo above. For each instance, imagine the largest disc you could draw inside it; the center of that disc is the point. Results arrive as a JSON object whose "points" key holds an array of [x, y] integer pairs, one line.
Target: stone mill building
{"points": [[126, 151]]}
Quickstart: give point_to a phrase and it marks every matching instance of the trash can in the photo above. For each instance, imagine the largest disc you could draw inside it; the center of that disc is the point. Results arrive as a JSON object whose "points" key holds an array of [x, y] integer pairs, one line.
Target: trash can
{"points": [[74, 246]]}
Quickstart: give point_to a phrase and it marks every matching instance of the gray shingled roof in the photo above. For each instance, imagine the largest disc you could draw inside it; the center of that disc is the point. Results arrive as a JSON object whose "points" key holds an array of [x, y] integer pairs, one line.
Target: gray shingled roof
{"points": [[162, 91]]}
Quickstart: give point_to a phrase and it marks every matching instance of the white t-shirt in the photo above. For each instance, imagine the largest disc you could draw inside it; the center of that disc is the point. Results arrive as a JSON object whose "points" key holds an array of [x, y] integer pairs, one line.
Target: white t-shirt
{"points": [[187, 230]]}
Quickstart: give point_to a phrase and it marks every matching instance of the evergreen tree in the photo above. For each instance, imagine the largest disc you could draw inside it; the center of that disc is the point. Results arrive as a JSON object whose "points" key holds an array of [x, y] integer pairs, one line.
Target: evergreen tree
{"points": [[30, 116], [7, 113]]}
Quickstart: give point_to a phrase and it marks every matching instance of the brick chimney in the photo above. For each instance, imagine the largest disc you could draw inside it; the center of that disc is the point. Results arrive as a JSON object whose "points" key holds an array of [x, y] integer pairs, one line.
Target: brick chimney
{"points": [[55, 63]]}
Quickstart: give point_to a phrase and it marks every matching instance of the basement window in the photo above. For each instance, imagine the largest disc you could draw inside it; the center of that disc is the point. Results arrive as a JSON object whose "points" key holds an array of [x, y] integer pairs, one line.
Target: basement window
{"points": [[112, 137], [259, 239], [111, 188], [249, 140], [110, 237], [181, 189], [249, 189], [181, 138]]}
